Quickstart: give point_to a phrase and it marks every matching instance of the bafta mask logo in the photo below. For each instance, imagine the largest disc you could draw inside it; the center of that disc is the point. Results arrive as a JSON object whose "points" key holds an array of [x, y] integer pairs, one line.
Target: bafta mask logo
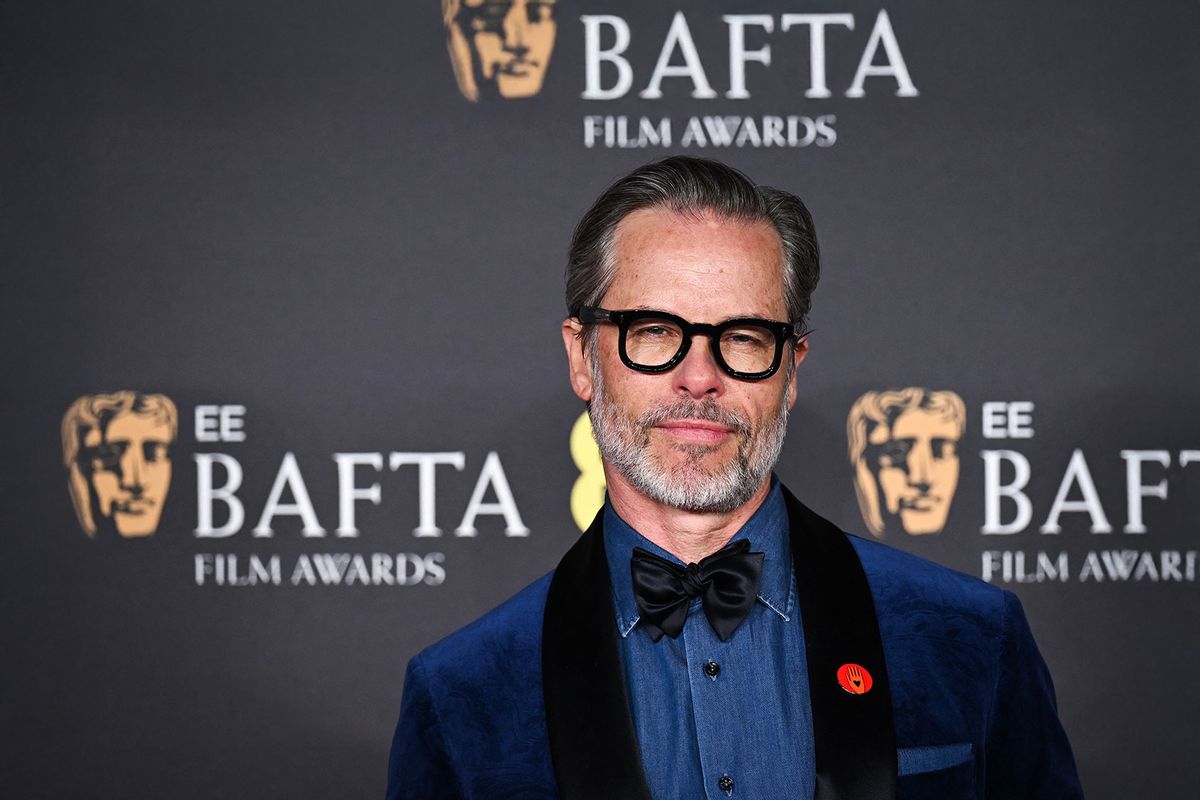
{"points": [[499, 47], [116, 448], [903, 447]]}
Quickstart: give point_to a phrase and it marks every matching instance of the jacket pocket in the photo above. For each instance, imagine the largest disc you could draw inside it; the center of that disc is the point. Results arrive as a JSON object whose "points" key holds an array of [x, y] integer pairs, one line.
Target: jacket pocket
{"points": [[941, 772]]}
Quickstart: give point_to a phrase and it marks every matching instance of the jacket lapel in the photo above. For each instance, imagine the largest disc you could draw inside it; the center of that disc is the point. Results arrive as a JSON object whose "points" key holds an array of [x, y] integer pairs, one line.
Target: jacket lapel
{"points": [[593, 744], [855, 739]]}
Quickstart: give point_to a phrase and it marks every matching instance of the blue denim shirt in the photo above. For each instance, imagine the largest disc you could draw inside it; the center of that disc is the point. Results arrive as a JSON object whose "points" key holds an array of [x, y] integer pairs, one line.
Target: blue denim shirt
{"points": [[748, 719]]}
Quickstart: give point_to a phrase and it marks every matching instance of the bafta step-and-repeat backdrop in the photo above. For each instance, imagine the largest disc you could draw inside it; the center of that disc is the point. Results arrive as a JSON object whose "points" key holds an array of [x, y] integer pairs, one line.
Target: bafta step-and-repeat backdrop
{"points": [[285, 392]]}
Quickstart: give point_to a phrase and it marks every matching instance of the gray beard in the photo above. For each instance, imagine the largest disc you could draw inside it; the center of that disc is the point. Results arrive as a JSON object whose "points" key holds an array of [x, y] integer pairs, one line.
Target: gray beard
{"points": [[625, 446]]}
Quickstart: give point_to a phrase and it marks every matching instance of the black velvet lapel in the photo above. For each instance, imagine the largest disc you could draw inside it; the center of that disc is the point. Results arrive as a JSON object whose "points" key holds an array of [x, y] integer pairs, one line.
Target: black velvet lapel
{"points": [[855, 739], [592, 740]]}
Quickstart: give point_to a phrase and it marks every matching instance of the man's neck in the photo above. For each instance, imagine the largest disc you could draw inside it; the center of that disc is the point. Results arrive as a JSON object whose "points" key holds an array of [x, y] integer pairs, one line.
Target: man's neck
{"points": [[687, 535]]}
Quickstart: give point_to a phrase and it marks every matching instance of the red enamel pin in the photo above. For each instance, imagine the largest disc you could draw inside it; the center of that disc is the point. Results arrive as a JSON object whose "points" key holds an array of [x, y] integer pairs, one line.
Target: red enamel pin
{"points": [[854, 679]]}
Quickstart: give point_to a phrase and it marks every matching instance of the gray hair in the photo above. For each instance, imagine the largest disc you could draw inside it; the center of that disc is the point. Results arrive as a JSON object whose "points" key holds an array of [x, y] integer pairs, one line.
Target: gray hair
{"points": [[693, 186]]}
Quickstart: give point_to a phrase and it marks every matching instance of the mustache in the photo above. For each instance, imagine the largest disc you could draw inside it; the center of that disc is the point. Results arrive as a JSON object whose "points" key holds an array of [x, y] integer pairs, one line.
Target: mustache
{"points": [[707, 410], [128, 504]]}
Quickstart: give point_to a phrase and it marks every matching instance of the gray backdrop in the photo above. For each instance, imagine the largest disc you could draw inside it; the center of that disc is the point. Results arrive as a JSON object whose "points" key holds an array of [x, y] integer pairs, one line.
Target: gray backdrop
{"points": [[291, 207]]}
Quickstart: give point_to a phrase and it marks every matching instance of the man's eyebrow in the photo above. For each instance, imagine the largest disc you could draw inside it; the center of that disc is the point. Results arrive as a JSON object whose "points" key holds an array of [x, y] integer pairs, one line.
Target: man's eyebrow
{"points": [[726, 318]]}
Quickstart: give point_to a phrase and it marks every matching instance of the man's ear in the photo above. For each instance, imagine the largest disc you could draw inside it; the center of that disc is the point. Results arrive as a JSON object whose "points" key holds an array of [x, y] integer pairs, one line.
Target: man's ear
{"points": [[799, 353], [578, 368]]}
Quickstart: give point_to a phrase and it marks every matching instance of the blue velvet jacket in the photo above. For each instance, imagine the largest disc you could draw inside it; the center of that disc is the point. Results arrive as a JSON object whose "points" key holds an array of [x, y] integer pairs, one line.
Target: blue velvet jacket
{"points": [[529, 702]]}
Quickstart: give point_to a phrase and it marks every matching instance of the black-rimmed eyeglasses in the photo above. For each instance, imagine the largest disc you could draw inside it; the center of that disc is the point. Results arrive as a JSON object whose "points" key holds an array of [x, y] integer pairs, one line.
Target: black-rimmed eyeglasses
{"points": [[747, 348]]}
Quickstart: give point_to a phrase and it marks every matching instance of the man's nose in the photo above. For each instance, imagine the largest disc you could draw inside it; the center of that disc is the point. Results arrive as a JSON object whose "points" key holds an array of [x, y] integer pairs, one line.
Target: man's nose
{"points": [[132, 467], [516, 23], [920, 465], [698, 374]]}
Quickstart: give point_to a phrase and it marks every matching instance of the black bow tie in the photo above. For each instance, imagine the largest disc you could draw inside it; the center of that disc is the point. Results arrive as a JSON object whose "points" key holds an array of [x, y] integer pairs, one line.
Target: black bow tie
{"points": [[727, 581]]}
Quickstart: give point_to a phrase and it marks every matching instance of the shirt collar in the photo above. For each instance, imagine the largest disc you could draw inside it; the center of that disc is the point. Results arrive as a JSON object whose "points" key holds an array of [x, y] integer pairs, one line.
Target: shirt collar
{"points": [[767, 529]]}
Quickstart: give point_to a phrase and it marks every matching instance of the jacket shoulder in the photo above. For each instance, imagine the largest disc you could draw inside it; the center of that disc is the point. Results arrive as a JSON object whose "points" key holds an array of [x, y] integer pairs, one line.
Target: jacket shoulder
{"points": [[512, 628], [907, 584]]}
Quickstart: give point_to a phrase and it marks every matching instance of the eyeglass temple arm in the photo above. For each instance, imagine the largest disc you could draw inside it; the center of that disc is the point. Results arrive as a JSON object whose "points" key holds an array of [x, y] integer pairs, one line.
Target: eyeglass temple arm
{"points": [[588, 314]]}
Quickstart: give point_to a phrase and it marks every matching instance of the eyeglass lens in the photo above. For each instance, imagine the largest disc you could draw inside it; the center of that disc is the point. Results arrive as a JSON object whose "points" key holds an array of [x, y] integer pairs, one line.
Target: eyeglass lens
{"points": [[746, 348]]}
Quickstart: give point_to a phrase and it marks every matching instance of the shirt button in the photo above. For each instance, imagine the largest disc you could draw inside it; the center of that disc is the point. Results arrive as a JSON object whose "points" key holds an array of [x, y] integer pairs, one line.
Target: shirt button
{"points": [[712, 669], [725, 784]]}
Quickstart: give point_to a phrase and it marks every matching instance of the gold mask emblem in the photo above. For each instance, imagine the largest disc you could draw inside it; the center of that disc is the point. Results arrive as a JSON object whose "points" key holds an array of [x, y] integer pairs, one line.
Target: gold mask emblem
{"points": [[903, 448], [116, 449], [499, 47]]}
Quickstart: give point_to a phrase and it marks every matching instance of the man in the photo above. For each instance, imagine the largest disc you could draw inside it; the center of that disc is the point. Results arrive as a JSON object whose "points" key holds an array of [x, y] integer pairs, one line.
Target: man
{"points": [[499, 46], [115, 450], [904, 450], [786, 659]]}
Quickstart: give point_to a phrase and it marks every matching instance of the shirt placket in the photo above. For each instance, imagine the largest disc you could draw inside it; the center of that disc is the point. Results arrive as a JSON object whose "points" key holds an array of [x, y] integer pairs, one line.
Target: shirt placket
{"points": [[711, 702]]}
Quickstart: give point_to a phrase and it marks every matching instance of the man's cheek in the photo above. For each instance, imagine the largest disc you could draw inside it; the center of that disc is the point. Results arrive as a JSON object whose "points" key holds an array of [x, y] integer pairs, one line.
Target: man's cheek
{"points": [[892, 482], [157, 479], [946, 479], [542, 44], [107, 490], [490, 53]]}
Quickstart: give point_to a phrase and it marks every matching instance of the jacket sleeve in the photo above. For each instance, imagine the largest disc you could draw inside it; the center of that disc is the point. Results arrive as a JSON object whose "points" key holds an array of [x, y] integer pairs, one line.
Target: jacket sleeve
{"points": [[420, 765], [1028, 755]]}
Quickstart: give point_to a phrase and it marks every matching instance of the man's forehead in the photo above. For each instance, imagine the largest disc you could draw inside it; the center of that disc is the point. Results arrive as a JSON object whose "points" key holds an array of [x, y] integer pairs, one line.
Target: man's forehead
{"points": [[730, 267], [128, 426], [923, 421], [666, 225]]}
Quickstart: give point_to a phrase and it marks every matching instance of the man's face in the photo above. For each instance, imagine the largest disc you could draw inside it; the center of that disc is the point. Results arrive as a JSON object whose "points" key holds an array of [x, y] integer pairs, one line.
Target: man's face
{"points": [[917, 469], [507, 42], [693, 437], [130, 472]]}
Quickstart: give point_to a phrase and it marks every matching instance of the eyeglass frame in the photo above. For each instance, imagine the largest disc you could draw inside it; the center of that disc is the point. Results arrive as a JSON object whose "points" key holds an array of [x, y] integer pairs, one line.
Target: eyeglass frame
{"points": [[783, 331]]}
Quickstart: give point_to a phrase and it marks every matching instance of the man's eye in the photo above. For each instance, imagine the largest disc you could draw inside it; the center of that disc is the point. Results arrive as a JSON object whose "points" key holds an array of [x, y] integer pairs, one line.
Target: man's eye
{"points": [[494, 12], [944, 448], [108, 456], [154, 452], [653, 331], [894, 453], [745, 338]]}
